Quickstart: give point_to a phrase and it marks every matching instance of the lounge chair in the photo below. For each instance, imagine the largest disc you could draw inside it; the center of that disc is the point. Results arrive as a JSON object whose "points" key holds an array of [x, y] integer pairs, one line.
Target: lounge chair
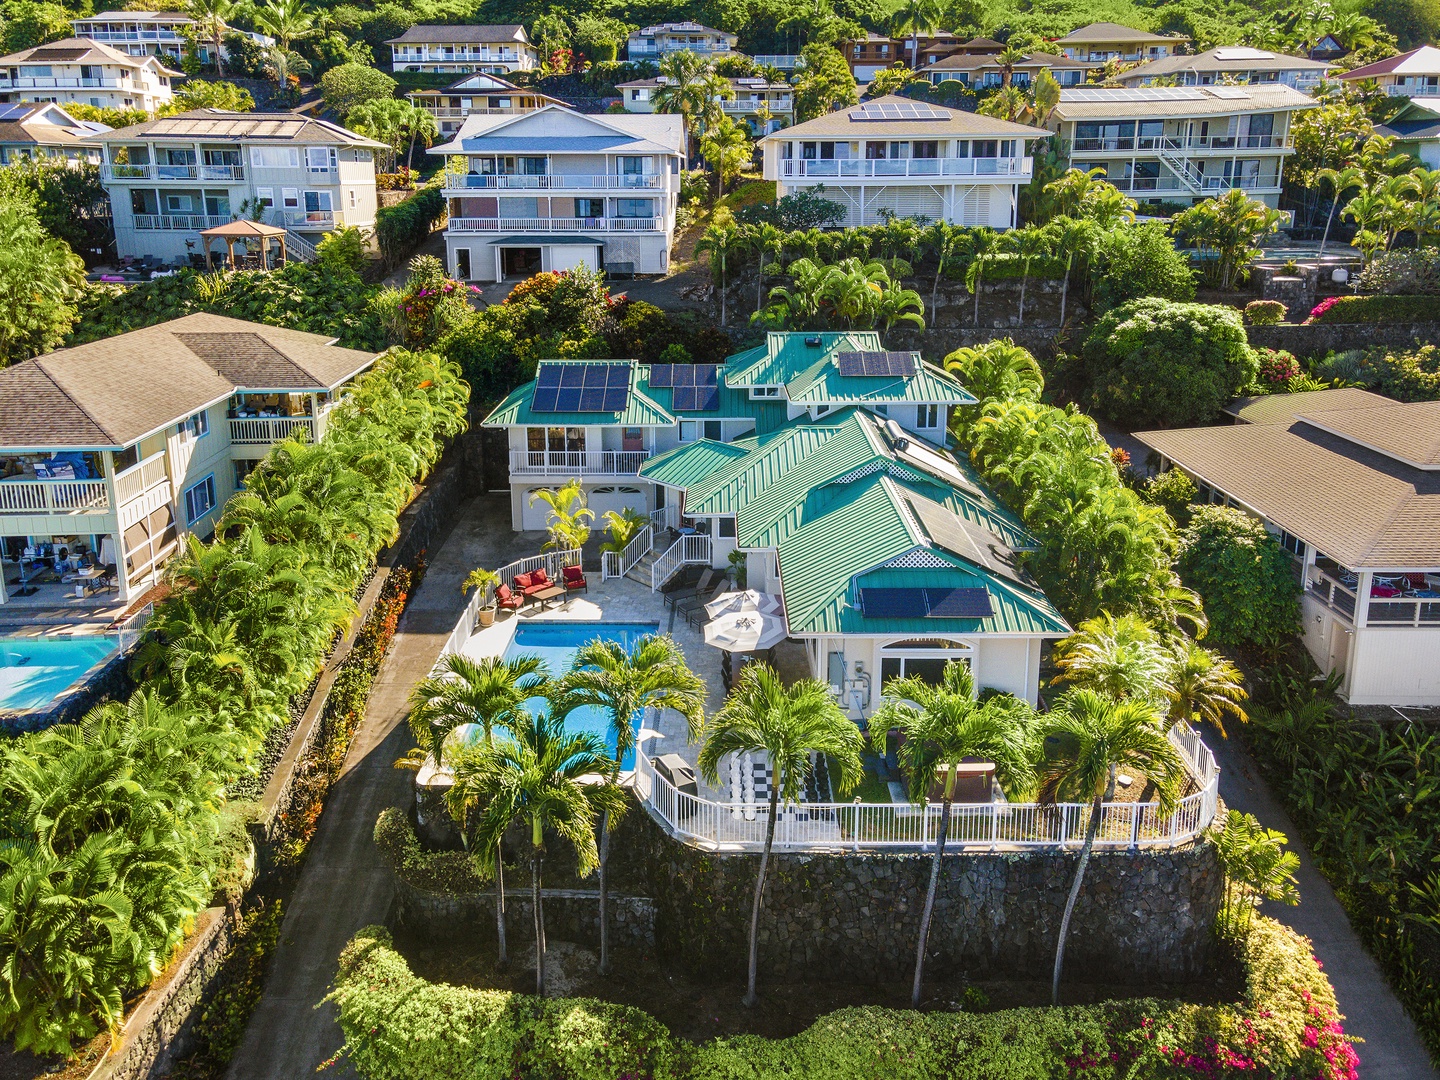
{"points": [[705, 585], [692, 608], [574, 579]]}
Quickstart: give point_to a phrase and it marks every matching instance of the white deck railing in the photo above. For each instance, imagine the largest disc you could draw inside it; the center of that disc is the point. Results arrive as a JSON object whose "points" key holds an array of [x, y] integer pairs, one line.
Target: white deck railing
{"points": [[687, 551], [140, 478], [572, 462], [54, 496], [455, 180], [863, 167], [269, 429], [554, 563], [719, 826], [617, 565], [553, 225]]}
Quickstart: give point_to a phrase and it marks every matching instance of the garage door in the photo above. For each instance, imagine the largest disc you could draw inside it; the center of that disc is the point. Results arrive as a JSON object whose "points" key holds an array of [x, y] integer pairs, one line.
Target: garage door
{"points": [[569, 256], [617, 497]]}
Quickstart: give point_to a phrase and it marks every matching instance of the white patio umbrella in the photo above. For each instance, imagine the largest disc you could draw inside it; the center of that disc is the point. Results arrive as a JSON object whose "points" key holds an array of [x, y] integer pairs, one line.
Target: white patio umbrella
{"points": [[745, 631], [745, 600]]}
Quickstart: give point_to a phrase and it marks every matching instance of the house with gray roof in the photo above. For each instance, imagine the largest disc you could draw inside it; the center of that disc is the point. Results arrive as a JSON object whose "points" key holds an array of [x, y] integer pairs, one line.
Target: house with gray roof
{"points": [[79, 71], [1100, 42], [458, 50], [553, 189], [1349, 482], [1232, 64], [110, 452], [46, 132], [1416, 131], [654, 42]]}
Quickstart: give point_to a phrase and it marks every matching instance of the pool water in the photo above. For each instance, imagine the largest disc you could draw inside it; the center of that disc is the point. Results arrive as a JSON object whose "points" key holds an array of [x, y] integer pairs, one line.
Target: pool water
{"points": [[556, 643], [34, 671]]}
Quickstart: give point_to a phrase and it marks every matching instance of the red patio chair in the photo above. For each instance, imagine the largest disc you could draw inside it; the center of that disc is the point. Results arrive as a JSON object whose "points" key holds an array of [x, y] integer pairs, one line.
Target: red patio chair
{"points": [[506, 599], [575, 580]]}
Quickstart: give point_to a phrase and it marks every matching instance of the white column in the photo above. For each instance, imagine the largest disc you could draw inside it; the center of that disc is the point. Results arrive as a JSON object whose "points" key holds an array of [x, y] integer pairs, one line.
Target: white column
{"points": [[1362, 598]]}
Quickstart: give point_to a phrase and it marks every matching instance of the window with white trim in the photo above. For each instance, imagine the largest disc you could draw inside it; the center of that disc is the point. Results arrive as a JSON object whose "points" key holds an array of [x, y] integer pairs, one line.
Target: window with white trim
{"points": [[927, 416], [200, 499], [275, 157], [265, 196]]}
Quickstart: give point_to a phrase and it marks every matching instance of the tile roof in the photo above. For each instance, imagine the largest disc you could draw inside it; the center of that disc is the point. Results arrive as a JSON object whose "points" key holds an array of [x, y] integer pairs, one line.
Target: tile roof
{"points": [[112, 392], [1408, 432], [77, 50], [1362, 508], [957, 123], [431, 33], [1285, 408], [218, 125]]}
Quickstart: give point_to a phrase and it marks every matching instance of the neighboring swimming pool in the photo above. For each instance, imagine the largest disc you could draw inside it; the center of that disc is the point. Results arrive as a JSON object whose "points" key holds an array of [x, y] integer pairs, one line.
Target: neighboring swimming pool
{"points": [[556, 643], [34, 671]]}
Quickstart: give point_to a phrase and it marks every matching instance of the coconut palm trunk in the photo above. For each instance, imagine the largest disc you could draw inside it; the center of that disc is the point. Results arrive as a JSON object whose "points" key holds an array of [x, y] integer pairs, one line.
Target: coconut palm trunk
{"points": [[750, 996], [1065, 286], [537, 864], [502, 959], [979, 273], [1091, 831], [931, 890], [604, 966], [1024, 281]]}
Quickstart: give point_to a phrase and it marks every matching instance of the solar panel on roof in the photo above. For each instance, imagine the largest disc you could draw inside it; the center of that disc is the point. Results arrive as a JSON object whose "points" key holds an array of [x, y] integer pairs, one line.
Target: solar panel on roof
{"points": [[875, 363], [696, 398], [926, 603], [897, 110], [662, 375], [58, 54], [14, 112], [1145, 93], [959, 604], [581, 388], [549, 375]]}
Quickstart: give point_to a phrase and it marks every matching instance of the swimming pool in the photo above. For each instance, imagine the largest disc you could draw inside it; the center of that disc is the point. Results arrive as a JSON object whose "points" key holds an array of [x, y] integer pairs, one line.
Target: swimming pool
{"points": [[34, 671], [556, 643]]}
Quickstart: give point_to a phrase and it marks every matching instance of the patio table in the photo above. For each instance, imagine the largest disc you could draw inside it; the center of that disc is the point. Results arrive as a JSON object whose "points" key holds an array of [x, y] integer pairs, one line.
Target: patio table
{"points": [[546, 595]]}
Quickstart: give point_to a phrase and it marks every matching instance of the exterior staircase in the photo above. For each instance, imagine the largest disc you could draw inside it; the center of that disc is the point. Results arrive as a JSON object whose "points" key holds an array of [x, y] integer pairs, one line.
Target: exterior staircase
{"points": [[297, 247], [641, 570], [1179, 164]]}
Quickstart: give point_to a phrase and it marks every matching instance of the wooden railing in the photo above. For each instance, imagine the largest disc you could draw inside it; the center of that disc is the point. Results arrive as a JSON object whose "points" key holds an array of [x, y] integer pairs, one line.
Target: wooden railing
{"points": [[617, 565], [573, 462], [54, 496], [739, 826], [140, 478], [268, 429], [687, 551]]}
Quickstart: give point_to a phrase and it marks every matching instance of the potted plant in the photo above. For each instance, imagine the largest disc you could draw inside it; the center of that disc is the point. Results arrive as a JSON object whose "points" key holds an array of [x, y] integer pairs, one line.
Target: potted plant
{"points": [[485, 581]]}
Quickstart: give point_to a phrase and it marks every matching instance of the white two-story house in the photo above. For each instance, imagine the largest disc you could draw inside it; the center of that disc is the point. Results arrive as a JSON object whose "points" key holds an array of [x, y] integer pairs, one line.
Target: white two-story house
{"points": [[170, 178], [145, 33], [1182, 143], [79, 71], [1349, 482], [1233, 64], [459, 50], [554, 189], [1412, 74], [908, 158], [984, 71], [1100, 42], [112, 451], [478, 94], [653, 42], [764, 106]]}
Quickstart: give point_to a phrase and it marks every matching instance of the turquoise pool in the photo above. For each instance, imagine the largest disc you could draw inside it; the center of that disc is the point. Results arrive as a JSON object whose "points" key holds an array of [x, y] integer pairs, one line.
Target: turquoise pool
{"points": [[556, 643], [34, 671]]}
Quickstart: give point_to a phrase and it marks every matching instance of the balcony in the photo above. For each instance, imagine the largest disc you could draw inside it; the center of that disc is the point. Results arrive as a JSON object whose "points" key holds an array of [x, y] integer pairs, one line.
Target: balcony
{"points": [[1330, 592], [1181, 144], [783, 61], [748, 106], [266, 430], [65, 82], [925, 167], [459, 182], [1429, 90], [306, 219], [135, 481], [54, 497], [638, 52], [577, 462], [554, 225], [1203, 183], [180, 222]]}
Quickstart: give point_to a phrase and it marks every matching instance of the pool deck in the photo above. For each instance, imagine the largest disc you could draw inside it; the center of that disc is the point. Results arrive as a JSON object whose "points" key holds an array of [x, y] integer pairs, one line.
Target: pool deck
{"points": [[621, 600]]}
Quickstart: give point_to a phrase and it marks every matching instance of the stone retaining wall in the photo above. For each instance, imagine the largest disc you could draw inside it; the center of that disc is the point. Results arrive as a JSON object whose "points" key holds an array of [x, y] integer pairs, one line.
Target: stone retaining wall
{"points": [[570, 915], [1321, 338]]}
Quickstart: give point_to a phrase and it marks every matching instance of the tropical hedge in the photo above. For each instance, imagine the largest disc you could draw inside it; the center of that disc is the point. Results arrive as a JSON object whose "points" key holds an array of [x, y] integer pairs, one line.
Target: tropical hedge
{"points": [[110, 829], [398, 1026], [1378, 308]]}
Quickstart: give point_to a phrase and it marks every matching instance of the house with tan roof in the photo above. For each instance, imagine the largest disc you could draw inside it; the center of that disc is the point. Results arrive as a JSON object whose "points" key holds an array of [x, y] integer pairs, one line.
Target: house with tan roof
{"points": [[1233, 64], [906, 158], [478, 94], [110, 452], [763, 105], [1411, 74], [458, 50], [654, 42], [984, 71], [45, 132], [1182, 143], [1100, 42], [80, 71], [1349, 482]]}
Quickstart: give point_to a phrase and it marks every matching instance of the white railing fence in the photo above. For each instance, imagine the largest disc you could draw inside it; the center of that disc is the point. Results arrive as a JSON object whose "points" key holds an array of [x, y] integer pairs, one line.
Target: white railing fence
{"points": [[269, 429], [553, 562], [139, 478], [53, 496], [832, 826], [594, 462], [666, 517], [618, 564], [687, 551]]}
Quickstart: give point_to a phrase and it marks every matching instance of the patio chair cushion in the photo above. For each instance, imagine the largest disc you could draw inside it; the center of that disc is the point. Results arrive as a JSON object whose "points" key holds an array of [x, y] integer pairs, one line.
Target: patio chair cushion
{"points": [[539, 577], [505, 598], [574, 578], [523, 581]]}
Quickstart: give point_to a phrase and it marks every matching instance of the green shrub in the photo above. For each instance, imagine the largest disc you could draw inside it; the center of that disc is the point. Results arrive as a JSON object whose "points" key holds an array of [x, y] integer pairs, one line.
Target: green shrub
{"points": [[438, 871], [1412, 375], [1139, 261], [1264, 312], [1379, 308], [402, 228], [1244, 577], [1403, 273], [397, 1026], [1173, 490], [1156, 363]]}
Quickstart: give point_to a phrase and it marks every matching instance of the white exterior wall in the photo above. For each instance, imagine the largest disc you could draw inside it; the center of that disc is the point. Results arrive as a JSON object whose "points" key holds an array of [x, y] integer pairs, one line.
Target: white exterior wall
{"points": [[115, 87], [1394, 666]]}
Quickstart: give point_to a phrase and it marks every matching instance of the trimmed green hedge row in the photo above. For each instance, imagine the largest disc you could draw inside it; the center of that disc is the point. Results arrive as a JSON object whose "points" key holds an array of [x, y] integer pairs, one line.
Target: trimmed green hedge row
{"points": [[398, 1026], [402, 228], [1377, 308]]}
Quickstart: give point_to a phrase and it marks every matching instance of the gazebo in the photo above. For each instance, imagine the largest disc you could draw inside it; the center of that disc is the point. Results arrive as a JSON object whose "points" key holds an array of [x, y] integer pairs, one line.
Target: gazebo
{"points": [[247, 231]]}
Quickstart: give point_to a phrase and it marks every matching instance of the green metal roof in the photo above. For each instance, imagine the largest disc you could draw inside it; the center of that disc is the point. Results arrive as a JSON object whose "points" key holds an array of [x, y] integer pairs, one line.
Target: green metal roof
{"points": [[641, 410], [810, 377], [734, 404], [692, 462]]}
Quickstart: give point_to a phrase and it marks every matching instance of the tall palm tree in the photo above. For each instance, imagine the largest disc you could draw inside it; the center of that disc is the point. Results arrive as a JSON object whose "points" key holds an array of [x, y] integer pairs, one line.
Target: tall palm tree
{"points": [[533, 774], [287, 21], [212, 19], [727, 147], [983, 241], [762, 715], [1009, 57], [682, 89], [1031, 243], [1203, 685], [769, 240], [488, 692], [1075, 237], [1087, 738], [918, 17], [718, 241], [1341, 180], [652, 675], [943, 725]]}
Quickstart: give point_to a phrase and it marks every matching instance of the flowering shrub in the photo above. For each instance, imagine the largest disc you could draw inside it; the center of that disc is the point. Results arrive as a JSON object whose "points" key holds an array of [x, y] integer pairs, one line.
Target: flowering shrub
{"points": [[1264, 312], [1277, 368], [1285, 1027], [1373, 309]]}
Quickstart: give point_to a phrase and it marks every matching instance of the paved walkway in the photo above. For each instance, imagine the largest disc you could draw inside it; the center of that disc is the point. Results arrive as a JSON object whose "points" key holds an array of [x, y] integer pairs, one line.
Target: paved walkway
{"points": [[1392, 1049], [345, 885]]}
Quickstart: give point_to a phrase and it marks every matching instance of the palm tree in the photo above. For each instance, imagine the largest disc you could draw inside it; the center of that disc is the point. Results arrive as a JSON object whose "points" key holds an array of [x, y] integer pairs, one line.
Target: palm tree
{"points": [[918, 17], [944, 725], [212, 19], [1229, 225], [1341, 180], [1119, 656], [727, 147], [1075, 237], [286, 21], [534, 774], [623, 526], [984, 241], [1203, 685], [569, 519], [682, 89], [653, 675], [1008, 58], [787, 725], [1087, 738], [1032, 242], [769, 240], [488, 692], [717, 241]]}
